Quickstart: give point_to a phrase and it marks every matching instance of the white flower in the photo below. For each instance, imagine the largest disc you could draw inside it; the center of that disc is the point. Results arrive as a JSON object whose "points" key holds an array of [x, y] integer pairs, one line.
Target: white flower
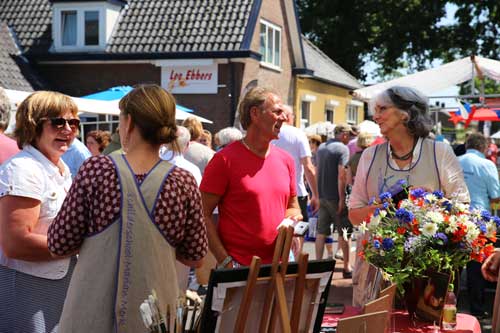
{"points": [[429, 229], [383, 213], [491, 229], [374, 221], [406, 204], [430, 197], [344, 234], [363, 228], [452, 226], [461, 207], [434, 217], [472, 232]]}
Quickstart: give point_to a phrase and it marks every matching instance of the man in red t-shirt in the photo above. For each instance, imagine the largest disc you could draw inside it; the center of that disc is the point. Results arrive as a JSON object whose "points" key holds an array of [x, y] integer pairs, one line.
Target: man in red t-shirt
{"points": [[253, 184]]}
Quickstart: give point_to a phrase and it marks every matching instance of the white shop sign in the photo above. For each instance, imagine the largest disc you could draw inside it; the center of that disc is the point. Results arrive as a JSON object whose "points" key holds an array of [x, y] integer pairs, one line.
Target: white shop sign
{"points": [[196, 79]]}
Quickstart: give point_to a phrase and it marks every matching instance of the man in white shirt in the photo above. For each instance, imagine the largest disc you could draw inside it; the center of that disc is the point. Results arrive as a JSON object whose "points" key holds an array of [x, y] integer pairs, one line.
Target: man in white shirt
{"points": [[177, 159], [295, 142]]}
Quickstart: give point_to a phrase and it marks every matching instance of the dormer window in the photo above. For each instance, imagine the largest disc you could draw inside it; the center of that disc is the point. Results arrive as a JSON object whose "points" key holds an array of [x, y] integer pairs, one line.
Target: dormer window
{"points": [[83, 26], [91, 27]]}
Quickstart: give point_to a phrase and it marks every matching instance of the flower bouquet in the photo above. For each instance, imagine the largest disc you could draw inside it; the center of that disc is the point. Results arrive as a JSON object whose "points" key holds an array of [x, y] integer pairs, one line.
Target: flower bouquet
{"points": [[425, 233]]}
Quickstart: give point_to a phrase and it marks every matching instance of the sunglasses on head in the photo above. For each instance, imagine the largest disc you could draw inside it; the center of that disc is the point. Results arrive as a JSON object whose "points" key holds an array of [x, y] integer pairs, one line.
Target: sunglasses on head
{"points": [[59, 123]]}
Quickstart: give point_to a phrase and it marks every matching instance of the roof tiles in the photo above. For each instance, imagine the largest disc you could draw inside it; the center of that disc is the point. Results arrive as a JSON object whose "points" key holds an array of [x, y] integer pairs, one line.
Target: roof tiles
{"points": [[325, 68], [15, 72], [143, 25]]}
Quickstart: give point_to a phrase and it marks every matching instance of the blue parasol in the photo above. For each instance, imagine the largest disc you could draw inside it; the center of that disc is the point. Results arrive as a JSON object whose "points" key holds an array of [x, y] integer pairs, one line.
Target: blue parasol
{"points": [[118, 92]]}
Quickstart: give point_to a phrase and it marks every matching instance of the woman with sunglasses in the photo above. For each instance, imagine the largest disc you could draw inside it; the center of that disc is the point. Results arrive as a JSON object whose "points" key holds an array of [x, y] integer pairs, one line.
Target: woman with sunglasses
{"points": [[403, 116], [33, 185], [130, 216]]}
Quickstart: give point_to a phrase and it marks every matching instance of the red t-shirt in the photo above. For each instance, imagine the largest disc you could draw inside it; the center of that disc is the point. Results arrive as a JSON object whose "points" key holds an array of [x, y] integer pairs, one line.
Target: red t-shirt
{"points": [[254, 197]]}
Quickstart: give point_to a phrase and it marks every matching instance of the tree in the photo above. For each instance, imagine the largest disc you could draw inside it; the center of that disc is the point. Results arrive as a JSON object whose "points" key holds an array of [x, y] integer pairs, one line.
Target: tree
{"points": [[400, 33]]}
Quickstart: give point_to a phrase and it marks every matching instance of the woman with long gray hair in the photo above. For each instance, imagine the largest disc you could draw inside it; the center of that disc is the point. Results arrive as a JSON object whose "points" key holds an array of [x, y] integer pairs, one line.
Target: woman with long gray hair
{"points": [[403, 116]]}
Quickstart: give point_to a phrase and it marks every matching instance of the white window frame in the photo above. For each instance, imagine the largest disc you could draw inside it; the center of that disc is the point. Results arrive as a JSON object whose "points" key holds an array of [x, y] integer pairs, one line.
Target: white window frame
{"points": [[304, 122], [274, 29], [330, 106], [309, 99], [80, 10], [352, 114]]}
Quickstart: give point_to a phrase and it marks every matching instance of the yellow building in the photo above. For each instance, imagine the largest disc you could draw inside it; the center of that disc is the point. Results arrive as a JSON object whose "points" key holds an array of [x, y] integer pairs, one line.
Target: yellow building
{"points": [[324, 95]]}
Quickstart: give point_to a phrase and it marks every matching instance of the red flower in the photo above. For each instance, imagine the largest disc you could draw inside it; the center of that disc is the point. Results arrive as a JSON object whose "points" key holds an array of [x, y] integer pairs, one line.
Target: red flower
{"points": [[401, 230], [488, 250]]}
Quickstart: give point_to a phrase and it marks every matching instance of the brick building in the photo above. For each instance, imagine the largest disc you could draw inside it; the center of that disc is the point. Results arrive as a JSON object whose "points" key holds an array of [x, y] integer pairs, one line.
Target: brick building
{"points": [[208, 53]]}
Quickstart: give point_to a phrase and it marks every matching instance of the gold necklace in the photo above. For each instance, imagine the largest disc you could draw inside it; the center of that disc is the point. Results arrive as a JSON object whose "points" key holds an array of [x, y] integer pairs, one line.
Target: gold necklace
{"points": [[253, 150]]}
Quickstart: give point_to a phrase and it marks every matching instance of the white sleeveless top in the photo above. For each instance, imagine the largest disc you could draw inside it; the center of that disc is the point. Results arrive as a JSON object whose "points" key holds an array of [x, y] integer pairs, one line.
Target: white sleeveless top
{"points": [[30, 174]]}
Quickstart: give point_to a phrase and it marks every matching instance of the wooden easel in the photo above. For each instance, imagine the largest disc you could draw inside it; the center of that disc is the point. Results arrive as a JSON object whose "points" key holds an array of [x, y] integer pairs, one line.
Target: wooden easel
{"points": [[275, 299]]}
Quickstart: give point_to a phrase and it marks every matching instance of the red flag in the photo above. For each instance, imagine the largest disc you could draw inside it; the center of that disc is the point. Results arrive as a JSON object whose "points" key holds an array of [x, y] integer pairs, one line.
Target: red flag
{"points": [[471, 115]]}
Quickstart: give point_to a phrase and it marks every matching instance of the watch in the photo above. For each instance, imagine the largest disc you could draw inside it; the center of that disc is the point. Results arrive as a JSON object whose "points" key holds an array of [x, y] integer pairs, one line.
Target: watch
{"points": [[225, 262]]}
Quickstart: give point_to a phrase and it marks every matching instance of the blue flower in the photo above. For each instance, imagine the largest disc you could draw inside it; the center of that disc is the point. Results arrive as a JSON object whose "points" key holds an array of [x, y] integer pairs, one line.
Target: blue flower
{"points": [[376, 212], [402, 182], [485, 215], [496, 219], [438, 194], [387, 243], [385, 196], [404, 216], [372, 200], [376, 244], [482, 227], [447, 205], [418, 192], [441, 236], [385, 205], [409, 243]]}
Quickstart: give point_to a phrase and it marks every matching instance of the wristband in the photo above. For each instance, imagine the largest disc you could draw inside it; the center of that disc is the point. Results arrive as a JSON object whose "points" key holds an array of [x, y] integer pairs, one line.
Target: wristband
{"points": [[225, 262]]}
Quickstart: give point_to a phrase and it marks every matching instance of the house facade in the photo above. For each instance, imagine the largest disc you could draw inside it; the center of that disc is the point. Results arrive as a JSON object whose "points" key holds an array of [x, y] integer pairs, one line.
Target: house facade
{"points": [[206, 53], [325, 95]]}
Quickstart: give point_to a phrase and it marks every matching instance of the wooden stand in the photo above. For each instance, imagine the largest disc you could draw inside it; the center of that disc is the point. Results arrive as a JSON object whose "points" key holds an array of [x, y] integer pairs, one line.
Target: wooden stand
{"points": [[275, 298]]}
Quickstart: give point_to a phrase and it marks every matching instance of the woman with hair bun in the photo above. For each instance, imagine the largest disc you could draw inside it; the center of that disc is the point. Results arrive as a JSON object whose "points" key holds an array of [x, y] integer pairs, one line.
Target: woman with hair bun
{"points": [[130, 216]]}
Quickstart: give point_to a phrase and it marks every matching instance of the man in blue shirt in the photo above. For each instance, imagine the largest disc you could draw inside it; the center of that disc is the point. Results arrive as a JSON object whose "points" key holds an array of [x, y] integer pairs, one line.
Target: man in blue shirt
{"points": [[481, 177], [75, 155]]}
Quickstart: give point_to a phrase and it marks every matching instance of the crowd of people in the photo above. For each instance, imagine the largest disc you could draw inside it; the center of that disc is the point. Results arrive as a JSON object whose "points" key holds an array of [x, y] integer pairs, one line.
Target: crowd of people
{"points": [[88, 231]]}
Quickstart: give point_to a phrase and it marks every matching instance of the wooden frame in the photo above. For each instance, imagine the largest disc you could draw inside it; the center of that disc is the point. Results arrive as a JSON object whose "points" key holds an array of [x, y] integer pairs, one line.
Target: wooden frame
{"points": [[229, 285], [375, 322], [383, 303]]}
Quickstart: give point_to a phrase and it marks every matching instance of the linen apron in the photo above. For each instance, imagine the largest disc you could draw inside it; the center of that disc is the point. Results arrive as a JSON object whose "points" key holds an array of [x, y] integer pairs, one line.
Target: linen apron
{"points": [[382, 177], [119, 267]]}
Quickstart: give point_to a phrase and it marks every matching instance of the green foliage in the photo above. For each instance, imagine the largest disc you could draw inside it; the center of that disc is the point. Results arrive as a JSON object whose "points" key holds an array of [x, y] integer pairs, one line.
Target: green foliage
{"points": [[490, 87], [400, 33]]}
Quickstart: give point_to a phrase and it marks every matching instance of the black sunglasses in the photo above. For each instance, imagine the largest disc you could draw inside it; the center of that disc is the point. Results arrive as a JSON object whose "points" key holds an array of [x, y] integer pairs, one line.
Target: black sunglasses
{"points": [[59, 123]]}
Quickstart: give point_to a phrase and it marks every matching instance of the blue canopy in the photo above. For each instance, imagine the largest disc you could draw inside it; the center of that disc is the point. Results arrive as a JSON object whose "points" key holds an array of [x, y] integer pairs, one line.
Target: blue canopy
{"points": [[118, 92]]}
